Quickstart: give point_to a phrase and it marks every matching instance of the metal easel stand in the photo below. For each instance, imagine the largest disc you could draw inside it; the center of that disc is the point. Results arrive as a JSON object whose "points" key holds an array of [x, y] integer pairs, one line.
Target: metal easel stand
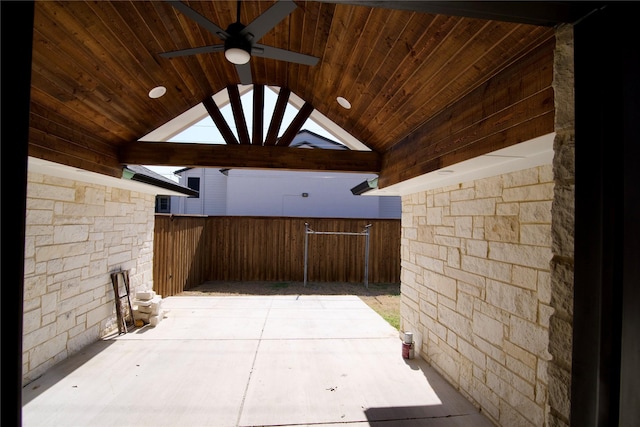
{"points": [[365, 233]]}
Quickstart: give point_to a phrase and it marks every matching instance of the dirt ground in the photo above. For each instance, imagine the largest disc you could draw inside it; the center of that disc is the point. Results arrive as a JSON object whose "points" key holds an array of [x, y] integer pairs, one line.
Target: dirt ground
{"points": [[384, 298]]}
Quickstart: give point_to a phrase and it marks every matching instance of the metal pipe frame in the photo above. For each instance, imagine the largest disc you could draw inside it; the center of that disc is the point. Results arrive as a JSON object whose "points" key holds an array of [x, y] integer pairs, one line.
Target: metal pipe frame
{"points": [[365, 233]]}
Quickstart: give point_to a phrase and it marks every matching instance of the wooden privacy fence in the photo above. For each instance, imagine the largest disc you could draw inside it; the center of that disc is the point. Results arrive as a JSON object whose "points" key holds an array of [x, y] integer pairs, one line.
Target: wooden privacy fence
{"points": [[190, 250]]}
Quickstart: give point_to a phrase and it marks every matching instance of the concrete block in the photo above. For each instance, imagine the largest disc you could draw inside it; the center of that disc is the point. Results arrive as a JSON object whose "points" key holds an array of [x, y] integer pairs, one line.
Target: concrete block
{"points": [[488, 328], [536, 212], [434, 216], [31, 320], [51, 192], [529, 193], [441, 199], [144, 309], [155, 320], [489, 187], [462, 194], [455, 321], [477, 248], [145, 294], [487, 268], [464, 226], [521, 178], [476, 356], [515, 300], [525, 277], [529, 336], [474, 207], [508, 209], [440, 283], [529, 256], [502, 228]]}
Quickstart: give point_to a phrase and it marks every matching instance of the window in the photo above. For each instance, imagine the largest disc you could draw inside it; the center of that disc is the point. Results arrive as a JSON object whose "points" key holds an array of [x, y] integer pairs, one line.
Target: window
{"points": [[163, 204], [194, 184]]}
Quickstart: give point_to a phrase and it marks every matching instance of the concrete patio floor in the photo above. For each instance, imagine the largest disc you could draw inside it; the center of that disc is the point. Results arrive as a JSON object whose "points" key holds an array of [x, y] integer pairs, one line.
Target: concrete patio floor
{"points": [[249, 361]]}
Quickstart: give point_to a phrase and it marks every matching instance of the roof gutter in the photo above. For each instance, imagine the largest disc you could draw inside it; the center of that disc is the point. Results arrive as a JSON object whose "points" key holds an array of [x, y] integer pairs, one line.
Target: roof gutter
{"points": [[365, 186], [133, 176]]}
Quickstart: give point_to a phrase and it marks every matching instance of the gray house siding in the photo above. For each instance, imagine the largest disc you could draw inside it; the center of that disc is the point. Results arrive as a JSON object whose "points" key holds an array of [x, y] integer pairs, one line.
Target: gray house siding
{"points": [[244, 192], [215, 192], [287, 193], [389, 207], [283, 193]]}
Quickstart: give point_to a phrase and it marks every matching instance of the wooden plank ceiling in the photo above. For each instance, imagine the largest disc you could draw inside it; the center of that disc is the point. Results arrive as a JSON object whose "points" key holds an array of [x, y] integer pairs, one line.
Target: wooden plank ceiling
{"points": [[427, 88]]}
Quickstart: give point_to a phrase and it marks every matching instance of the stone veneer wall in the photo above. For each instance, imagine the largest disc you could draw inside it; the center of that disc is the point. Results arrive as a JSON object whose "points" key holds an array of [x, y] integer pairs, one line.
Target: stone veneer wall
{"points": [[561, 324], [77, 234], [476, 289]]}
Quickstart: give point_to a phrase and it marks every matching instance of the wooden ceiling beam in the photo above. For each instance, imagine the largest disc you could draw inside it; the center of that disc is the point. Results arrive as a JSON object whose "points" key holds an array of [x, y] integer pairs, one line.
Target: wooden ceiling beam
{"points": [[278, 114], [295, 125], [220, 122], [258, 114], [238, 114], [248, 157]]}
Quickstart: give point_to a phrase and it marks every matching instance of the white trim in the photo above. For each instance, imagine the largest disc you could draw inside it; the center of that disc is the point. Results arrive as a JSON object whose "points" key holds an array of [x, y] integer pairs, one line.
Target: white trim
{"points": [[529, 154], [45, 167], [199, 112], [190, 117], [323, 121]]}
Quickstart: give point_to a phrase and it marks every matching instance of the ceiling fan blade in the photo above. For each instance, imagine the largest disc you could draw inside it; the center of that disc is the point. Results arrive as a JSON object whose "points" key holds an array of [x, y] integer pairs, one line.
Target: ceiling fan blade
{"points": [[193, 51], [201, 20], [283, 55], [244, 72], [269, 19]]}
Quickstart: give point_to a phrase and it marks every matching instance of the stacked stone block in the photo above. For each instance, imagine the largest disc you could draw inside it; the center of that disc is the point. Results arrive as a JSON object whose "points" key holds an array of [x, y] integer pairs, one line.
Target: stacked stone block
{"points": [[77, 234], [147, 308], [476, 289]]}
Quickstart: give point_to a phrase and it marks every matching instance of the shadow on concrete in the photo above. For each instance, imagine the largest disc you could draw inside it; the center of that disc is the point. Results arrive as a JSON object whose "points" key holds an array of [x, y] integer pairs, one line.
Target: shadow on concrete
{"points": [[420, 416], [52, 376], [451, 411]]}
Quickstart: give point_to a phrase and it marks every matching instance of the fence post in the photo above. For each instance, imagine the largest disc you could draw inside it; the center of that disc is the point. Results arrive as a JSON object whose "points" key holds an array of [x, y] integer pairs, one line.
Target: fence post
{"points": [[306, 250], [366, 256]]}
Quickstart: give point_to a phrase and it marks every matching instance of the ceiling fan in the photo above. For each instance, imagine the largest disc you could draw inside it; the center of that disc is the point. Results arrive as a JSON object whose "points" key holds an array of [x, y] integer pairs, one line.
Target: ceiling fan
{"points": [[240, 41]]}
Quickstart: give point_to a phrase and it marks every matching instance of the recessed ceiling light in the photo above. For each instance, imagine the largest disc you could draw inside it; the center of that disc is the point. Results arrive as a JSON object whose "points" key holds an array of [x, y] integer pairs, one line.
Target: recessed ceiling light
{"points": [[343, 102], [157, 92], [445, 172]]}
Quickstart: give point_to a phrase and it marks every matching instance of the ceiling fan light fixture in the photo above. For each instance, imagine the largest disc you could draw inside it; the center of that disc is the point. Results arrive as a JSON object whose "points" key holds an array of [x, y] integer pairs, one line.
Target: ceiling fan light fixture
{"points": [[237, 50], [237, 56]]}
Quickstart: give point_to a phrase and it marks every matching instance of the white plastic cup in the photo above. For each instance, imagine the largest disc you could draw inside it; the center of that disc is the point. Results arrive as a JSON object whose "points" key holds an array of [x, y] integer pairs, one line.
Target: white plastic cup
{"points": [[408, 337]]}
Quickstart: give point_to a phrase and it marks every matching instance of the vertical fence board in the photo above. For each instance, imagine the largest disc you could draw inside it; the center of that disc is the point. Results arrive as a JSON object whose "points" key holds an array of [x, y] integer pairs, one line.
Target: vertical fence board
{"points": [[189, 251]]}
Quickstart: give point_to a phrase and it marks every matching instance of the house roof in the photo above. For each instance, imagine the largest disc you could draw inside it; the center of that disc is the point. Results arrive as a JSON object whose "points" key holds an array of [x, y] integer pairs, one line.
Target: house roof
{"points": [[430, 84], [146, 175], [308, 139]]}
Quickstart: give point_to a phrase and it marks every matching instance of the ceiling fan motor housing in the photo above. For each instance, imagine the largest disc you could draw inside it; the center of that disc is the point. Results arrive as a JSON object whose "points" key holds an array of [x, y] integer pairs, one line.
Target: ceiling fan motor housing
{"points": [[237, 40]]}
